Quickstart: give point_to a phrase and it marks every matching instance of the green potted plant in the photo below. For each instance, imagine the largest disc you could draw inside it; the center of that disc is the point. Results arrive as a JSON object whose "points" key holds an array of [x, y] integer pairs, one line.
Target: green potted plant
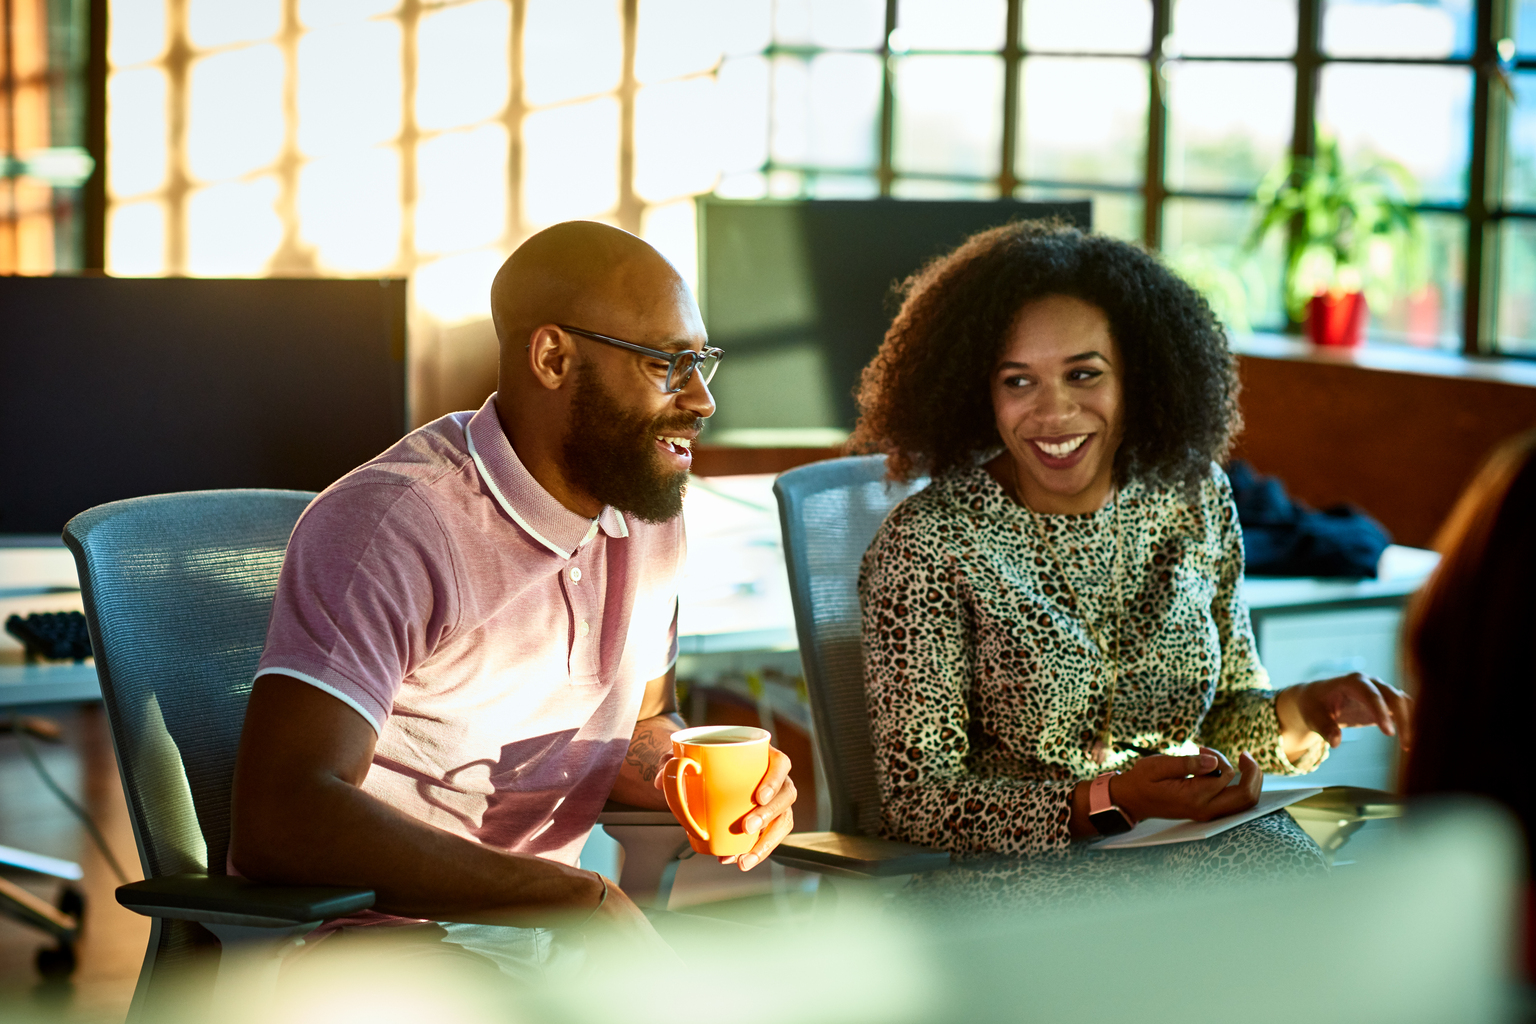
{"points": [[1357, 242]]}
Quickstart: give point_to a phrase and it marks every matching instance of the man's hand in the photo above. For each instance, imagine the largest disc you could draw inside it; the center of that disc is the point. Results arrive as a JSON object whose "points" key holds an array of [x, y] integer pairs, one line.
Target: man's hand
{"points": [[774, 814], [1174, 786], [1326, 706]]}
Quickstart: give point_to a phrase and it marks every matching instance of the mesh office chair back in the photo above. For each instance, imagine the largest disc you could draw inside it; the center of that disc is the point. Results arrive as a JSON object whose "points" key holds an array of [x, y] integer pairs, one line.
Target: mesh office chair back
{"points": [[830, 512], [177, 591]]}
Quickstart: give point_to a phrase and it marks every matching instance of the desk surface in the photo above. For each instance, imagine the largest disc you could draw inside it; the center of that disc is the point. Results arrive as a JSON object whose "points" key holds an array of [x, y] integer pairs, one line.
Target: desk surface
{"points": [[735, 588]]}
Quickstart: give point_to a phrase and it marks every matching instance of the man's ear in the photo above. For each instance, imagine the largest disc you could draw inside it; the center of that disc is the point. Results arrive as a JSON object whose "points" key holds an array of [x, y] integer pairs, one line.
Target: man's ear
{"points": [[551, 356]]}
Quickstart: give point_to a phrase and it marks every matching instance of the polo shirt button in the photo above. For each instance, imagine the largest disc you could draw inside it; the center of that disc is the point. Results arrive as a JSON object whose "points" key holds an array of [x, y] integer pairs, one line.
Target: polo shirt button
{"points": [[586, 627], [575, 575]]}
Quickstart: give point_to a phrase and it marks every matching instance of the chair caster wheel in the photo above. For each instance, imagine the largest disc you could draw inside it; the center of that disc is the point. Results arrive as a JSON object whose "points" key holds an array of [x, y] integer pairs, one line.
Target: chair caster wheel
{"points": [[72, 902], [57, 963]]}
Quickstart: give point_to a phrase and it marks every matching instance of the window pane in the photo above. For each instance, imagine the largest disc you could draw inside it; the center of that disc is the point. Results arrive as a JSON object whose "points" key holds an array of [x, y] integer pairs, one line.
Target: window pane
{"points": [[1083, 120], [349, 87], [949, 115], [1520, 154], [461, 189], [1117, 214], [672, 229], [673, 156], [138, 31], [749, 27], [349, 210], [571, 162], [315, 13], [841, 186], [1416, 115], [1525, 27], [1221, 28], [1389, 28], [678, 37], [1090, 26], [462, 56], [235, 117], [928, 188], [1429, 315], [219, 22], [945, 25], [741, 128], [136, 134], [233, 229], [571, 48], [1517, 287], [846, 24], [826, 110], [1203, 239], [1228, 124], [136, 240]]}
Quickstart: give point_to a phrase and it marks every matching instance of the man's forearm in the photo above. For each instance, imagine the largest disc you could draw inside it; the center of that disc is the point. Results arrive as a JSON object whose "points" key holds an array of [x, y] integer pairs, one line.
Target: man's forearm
{"points": [[649, 750], [328, 832]]}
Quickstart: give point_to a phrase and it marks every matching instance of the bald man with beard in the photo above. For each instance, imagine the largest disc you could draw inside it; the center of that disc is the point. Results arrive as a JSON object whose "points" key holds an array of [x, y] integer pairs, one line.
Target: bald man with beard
{"points": [[473, 642]]}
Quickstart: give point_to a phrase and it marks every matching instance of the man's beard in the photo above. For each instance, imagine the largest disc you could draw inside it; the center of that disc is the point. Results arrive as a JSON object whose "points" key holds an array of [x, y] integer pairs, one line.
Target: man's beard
{"points": [[610, 453]]}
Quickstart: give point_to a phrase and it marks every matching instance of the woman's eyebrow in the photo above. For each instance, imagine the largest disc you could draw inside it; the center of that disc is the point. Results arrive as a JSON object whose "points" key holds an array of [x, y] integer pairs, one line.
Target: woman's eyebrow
{"points": [[1079, 358]]}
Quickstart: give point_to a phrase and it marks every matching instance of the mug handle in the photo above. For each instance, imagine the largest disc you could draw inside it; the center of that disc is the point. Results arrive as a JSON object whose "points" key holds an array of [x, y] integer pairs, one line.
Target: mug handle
{"points": [[678, 793]]}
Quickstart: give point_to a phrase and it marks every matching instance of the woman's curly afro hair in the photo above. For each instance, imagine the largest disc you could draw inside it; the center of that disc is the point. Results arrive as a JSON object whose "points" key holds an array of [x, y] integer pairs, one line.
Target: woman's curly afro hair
{"points": [[925, 399]]}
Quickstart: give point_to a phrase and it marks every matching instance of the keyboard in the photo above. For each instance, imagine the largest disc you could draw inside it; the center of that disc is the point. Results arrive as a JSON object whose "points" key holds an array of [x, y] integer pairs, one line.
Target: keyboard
{"points": [[55, 636]]}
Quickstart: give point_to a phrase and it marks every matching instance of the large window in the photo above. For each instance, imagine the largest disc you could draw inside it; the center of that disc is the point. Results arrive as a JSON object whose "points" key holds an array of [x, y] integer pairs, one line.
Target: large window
{"points": [[428, 138]]}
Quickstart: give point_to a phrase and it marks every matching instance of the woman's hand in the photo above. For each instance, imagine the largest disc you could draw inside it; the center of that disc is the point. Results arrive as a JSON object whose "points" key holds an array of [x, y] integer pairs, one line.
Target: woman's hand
{"points": [[1182, 786], [1326, 706]]}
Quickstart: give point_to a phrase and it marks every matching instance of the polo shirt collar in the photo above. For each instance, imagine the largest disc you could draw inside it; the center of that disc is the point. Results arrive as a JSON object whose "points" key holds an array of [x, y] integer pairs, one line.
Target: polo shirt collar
{"points": [[522, 497]]}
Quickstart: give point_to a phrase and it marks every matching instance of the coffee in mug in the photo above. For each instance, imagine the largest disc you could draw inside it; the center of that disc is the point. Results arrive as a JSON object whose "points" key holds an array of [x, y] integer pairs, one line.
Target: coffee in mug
{"points": [[711, 785]]}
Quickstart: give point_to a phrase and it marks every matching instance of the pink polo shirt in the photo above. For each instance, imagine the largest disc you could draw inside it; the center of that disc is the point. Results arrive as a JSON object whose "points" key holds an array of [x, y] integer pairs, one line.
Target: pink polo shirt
{"points": [[498, 642]]}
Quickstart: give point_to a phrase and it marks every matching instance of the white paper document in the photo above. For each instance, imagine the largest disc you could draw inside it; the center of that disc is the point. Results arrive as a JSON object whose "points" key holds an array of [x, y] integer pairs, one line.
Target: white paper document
{"points": [[1161, 831]]}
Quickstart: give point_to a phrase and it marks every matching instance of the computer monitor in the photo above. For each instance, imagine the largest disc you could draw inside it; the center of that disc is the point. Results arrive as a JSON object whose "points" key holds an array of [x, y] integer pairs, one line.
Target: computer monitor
{"points": [[799, 294], [117, 387]]}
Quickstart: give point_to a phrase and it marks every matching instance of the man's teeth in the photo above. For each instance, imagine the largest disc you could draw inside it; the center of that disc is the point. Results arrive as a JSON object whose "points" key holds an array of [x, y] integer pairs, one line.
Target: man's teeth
{"points": [[1065, 448], [685, 443]]}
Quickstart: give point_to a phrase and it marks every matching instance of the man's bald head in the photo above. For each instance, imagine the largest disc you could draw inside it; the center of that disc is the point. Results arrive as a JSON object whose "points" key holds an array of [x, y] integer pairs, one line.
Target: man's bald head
{"points": [[589, 275]]}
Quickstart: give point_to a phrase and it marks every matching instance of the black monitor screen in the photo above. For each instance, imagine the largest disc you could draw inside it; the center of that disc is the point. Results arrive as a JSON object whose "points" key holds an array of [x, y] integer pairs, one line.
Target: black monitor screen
{"points": [[799, 293], [116, 387]]}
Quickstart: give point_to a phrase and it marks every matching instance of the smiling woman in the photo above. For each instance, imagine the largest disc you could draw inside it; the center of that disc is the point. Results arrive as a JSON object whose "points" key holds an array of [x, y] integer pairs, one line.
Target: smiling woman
{"points": [[1055, 644]]}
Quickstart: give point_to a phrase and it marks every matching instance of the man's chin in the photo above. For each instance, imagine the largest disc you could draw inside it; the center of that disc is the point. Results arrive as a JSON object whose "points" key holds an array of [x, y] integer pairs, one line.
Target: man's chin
{"points": [[664, 505]]}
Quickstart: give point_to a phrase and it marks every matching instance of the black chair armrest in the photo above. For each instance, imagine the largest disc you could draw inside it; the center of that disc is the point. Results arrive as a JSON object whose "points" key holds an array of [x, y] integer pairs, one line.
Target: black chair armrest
{"points": [[864, 856], [223, 899], [615, 813]]}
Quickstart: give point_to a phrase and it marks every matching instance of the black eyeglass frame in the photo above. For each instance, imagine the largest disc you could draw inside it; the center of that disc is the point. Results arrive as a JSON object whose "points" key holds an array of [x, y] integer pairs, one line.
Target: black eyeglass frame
{"points": [[694, 358]]}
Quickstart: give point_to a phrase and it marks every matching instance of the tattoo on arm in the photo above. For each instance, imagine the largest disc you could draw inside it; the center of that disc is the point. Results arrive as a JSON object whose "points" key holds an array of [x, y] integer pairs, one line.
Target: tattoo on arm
{"points": [[648, 749]]}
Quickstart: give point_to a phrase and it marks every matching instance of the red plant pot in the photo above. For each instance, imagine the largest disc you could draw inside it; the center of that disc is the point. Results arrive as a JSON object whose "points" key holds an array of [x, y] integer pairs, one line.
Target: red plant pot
{"points": [[1336, 319]]}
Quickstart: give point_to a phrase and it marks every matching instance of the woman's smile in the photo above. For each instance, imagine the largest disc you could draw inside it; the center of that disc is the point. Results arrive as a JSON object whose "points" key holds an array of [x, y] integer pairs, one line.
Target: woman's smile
{"points": [[1061, 452]]}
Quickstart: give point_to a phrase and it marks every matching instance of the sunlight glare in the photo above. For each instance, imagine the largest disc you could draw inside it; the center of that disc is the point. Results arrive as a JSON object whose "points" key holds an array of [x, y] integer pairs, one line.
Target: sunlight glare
{"points": [[233, 229], [462, 64], [138, 31], [315, 13], [570, 161], [1388, 30], [673, 230], [741, 131], [677, 37], [349, 210], [944, 25], [846, 24], [1220, 28], [136, 240], [349, 87], [136, 128], [213, 23], [235, 120], [826, 110], [571, 48], [673, 155], [461, 189], [949, 113], [457, 288], [1092, 26]]}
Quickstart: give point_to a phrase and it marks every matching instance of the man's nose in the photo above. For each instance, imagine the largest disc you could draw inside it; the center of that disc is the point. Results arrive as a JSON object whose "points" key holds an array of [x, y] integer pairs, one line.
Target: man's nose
{"points": [[696, 397]]}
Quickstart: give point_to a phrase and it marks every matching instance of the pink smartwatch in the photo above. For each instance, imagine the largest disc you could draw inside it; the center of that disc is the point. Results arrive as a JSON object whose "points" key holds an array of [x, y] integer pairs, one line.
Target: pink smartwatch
{"points": [[1103, 813]]}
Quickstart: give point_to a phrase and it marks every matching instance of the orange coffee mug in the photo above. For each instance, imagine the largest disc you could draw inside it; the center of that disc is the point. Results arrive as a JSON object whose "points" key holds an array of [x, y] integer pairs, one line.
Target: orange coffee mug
{"points": [[711, 785]]}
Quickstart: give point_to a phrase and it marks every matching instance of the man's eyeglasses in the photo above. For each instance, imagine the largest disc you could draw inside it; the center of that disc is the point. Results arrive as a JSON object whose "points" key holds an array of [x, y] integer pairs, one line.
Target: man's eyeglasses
{"points": [[680, 365]]}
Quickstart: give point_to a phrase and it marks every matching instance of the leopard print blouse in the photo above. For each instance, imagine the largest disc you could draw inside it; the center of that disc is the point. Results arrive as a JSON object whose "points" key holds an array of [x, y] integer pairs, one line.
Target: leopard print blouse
{"points": [[986, 691]]}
